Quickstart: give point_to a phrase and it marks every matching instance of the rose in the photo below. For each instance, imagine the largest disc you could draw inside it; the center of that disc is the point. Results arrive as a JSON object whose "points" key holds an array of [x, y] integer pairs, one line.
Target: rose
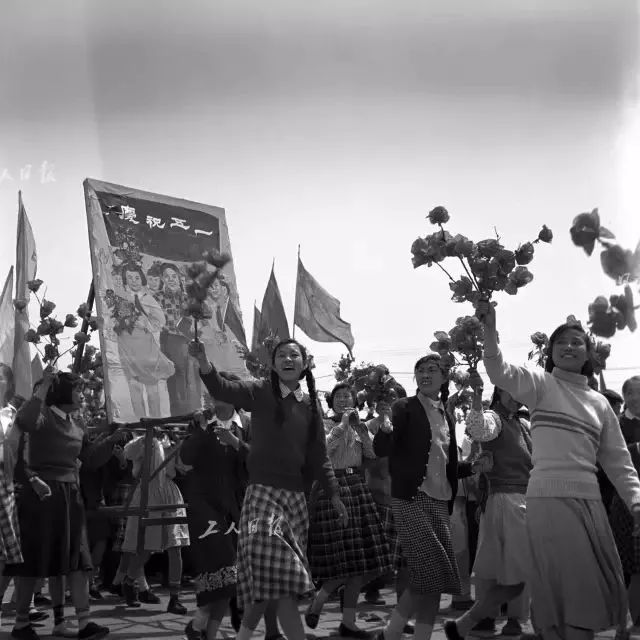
{"points": [[216, 259], [617, 262], [462, 246], [46, 308], [600, 351], [432, 248], [93, 323], [55, 326], [195, 269], [44, 328], [518, 278], [442, 344], [524, 253], [539, 339], [585, 230], [70, 321], [462, 289], [83, 310], [439, 215], [32, 336], [50, 352], [34, 285], [505, 261], [545, 235], [81, 337], [488, 248], [625, 306]]}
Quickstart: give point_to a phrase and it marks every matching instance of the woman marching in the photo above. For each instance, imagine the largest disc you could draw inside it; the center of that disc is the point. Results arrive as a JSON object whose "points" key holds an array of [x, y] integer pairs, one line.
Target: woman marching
{"points": [[502, 559], [575, 577], [216, 451], [352, 555], [423, 463], [288, 450]]}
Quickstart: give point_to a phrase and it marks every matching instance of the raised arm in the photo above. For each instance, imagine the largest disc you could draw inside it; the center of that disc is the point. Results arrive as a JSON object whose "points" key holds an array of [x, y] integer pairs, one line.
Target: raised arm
{"points": [[239, 394], [29, 416]]}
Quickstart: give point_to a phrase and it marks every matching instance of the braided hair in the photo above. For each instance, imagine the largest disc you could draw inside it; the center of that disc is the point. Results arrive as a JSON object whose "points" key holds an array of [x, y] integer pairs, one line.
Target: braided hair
{"points": [[306, 374]]}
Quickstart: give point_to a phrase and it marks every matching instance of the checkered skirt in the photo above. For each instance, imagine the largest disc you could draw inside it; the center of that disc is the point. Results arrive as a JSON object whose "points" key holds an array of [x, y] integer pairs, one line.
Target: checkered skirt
{"points": [[10, 551], [117, 498], [628, 544], [355, 550], [424, 531], [272, 563], [385, 513]]}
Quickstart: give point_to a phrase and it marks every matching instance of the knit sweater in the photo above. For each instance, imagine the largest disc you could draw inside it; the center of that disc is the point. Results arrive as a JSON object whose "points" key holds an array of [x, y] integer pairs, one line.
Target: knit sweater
{"points": [[285, 456], [572, 429]]}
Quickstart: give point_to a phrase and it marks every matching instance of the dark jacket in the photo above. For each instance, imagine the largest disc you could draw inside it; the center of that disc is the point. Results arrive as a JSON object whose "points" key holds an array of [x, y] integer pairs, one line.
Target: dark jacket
{"points": [[407, 448]]}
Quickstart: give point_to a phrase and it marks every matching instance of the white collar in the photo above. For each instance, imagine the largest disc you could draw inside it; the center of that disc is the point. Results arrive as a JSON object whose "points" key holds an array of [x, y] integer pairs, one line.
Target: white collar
{"points": [[60, 413], [628, 414], [297, 392], [234, 419], [436, 404]]}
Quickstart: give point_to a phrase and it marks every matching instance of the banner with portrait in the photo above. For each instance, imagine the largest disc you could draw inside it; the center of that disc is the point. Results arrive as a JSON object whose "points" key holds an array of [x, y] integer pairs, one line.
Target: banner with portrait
{"points": [[141, 245]]}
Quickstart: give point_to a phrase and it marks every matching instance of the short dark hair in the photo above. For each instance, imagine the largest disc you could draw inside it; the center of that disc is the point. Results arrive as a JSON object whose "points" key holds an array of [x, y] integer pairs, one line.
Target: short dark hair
{"points": [[10, 391], [628, 382], [587, 368], [341, 385], [61, 389], [134, 268], [154, 270]]}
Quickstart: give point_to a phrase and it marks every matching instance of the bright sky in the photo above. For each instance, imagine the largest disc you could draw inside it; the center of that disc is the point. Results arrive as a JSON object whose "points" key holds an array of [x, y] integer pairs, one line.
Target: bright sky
{"points": [[336, 125]]}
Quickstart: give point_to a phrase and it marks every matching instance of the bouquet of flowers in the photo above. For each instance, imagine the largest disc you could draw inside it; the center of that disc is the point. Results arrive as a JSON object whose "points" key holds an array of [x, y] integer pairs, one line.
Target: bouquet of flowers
{"points": [[487, 265], [465, 340], [90, 369], [124, 313], [202, 277], [47, 333], [606, 316], [127, 249]]}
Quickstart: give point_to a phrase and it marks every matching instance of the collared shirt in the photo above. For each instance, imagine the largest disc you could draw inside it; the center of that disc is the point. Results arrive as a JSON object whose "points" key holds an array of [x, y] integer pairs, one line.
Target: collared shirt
{"points": [[297, 392], [61, 414], [628, 414], [233, 421], [436, 483], [345, 446]]}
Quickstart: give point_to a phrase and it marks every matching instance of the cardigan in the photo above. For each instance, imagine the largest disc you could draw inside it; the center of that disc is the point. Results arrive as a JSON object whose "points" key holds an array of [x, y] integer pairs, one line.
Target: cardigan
{"points": [[573, 428], [284, 456], [407, 448]]}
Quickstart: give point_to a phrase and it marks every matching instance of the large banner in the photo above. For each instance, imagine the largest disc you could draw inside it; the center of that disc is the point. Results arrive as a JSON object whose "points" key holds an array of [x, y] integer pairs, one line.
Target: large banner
{"points": [[141, 245]]}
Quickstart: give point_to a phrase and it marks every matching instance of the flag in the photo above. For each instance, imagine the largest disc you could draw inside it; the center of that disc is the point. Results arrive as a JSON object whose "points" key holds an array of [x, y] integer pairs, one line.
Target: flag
{"points": [[317, 312], [6, 321], [256, 327], [36, 368], [233, 321], [26, 267], [273, 319]]}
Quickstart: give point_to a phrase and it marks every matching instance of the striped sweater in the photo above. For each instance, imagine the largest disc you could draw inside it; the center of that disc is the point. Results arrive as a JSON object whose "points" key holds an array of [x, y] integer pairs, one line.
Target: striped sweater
{"points": [[572, 429]]}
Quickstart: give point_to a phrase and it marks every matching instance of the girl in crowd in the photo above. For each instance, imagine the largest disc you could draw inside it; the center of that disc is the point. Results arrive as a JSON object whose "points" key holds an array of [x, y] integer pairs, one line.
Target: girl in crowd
{"points": [[501, 559], [157, 538], [423, 462], [575, 577], [288, 451], [216, 452], [50, 509], [346, 555]]}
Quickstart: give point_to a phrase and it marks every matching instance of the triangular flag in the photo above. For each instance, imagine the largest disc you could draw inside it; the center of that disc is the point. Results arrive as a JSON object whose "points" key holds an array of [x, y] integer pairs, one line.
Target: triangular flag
{"points": [[317, 312], [36, 368], [256, 327], [234, 322], [7, 328], [26, 268], [273, 319]]}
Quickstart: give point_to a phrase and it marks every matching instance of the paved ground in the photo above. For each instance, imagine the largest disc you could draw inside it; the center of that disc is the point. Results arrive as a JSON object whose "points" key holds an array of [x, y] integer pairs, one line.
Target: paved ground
{"points": [[153, 623]]}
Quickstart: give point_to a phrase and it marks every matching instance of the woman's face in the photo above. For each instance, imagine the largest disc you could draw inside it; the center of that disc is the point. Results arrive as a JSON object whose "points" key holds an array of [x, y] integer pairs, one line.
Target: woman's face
{"points": [[171, 279], [342, 400], [288, 363], [631, 397], [429, 378], [153, 282], [134, 281], [569, 351]]}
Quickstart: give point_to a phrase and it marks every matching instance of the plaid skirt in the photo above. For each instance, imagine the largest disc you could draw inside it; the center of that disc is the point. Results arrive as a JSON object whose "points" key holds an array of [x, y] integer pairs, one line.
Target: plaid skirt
{"points": [[385, 513], [53, 532], [117, 498], [10, 551], [424, 531], [628, 545], [271, 546], [358, 549]]}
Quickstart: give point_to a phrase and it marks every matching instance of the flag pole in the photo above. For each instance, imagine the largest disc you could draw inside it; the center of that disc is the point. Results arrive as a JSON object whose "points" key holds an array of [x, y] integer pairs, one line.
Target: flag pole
{"points": [[295, 300]]}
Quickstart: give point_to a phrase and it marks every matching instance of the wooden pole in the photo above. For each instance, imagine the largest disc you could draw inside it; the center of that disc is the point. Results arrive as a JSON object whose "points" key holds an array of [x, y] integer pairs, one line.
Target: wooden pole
{"points": [[85, 326], [144, 485]]}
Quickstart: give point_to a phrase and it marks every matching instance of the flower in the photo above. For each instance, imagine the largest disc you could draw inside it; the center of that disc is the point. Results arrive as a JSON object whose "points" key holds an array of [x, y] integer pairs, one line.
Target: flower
{"points": [[603, 318], [462, 246], [505, 261], [600, 351], [517, 279], [46, 308], [81, 337], [545, 235], [442, 344], [44, 328], [432, 248], [34, 285], [439, 215], [462, 289], [617, 262], [195, 269], [539, 339], [50, 353], [20, 304], [70, 320], [488, 248], [93, 323], [216, 259], [585, 230], [32, 336], [524, 253], [83, 309], [623, 304], [55, 326]]}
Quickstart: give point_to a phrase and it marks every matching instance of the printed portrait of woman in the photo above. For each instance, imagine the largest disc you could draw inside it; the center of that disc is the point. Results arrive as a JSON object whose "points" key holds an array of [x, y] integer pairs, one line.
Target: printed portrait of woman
{"points": [[143, 362]]}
